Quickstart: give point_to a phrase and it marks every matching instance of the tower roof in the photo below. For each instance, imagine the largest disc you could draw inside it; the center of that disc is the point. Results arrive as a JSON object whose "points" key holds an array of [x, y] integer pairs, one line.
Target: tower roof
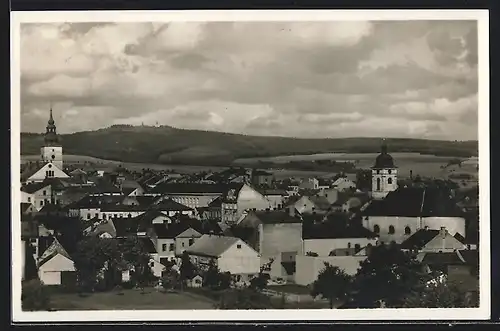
{"points": [[51, 138], [384, 160]]}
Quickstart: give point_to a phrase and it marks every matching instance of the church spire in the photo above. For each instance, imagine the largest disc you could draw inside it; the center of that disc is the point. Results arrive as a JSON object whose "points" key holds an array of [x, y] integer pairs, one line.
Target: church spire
{"points": [[383, 147], [50, 133]]}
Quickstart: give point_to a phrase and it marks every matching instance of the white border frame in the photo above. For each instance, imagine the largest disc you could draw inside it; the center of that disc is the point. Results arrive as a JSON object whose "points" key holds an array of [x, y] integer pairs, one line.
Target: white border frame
{"points": [[483, 312]]}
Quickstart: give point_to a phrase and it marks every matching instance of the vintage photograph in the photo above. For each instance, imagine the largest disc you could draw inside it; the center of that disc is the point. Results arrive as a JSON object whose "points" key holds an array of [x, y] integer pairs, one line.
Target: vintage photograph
{"points": [[214, 164]]}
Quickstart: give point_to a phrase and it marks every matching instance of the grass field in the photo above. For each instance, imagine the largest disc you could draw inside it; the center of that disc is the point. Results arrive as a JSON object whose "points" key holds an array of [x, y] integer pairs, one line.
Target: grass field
{"points": [[133, 299]]}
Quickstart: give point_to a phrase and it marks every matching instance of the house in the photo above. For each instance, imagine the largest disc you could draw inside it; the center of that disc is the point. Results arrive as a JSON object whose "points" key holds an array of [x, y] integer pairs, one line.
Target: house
{"points": [[131, 188], [310, 184], [312, 204], [196, 281], [332, 238], [55, 266], [192, 195], [275, 197], [105, 229], [229, 254], [171, 239], [344, 184], [38, 194], [261, 178], [407, 210], [171, 208], [241, 198], [428, 240]]}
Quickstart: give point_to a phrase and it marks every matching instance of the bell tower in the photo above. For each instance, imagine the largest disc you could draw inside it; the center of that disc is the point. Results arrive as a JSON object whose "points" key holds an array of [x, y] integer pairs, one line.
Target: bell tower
{"points": [[51, 152], [384, 174]]}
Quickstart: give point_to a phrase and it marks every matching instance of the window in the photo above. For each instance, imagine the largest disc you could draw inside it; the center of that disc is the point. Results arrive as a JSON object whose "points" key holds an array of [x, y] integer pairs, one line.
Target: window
{"points": [[376, 228], [378, 171], [378, 184], [357, 248], [183, 244], [191, 241], [151, 264], [103, 216], [164, 247], [348, 245], [29, 199], [238, 246], [171, 248], [389, 171], [44, 192], [41, 203], [129, 215], [407, 230], [391, 229], [389, 180], [88, 216]]}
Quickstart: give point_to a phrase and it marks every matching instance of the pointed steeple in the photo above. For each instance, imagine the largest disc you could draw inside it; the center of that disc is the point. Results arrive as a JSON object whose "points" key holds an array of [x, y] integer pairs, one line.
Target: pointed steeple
{"points": [[51, 132], [383, 147]]}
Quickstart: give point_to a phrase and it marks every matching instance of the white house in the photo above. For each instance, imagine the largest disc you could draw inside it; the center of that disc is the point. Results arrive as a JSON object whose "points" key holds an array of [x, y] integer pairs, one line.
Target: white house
{"points": [[54, 264], [239, 199], [343, 184], [229, 253], [38, 194], [49, 170], [433, 241]]}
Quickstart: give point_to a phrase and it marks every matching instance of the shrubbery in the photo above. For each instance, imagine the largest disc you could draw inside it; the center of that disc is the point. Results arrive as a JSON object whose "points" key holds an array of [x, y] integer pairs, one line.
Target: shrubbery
{"points": [[35, 296]]}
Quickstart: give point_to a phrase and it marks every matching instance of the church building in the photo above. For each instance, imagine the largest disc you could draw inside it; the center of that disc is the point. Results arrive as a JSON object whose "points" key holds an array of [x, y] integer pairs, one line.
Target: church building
{"points": [[51, 157], [384, 174]]}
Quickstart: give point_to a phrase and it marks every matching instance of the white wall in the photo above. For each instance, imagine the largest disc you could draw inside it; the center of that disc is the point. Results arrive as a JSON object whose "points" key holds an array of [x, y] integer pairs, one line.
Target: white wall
{"points": [[50, 272], [323, 247], [242, 260], [194, 201], [41, 174], [308, 267], [53, 154], [384, 176]]}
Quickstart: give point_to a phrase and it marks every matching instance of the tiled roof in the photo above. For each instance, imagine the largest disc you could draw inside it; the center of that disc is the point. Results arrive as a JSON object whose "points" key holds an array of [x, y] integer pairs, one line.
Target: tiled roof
{"points": [[191, 188], [170, 205], [95, 201], [216, 203], [125, 226], [414, 202], [212, 245], [332, 230], [276, 217], [121, 208], [320, 202], [419, 239], [54, 249], [146, 200], [442, 258], [34, 187]]}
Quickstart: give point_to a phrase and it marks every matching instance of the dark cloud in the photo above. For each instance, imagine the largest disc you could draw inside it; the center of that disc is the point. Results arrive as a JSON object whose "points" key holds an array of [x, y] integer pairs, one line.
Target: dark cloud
{"points": [[295, 79]]}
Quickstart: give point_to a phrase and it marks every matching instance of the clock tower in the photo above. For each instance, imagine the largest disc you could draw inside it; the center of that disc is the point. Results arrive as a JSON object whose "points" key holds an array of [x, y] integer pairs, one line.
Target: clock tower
{"points": [[384, 174], [51, 152]]}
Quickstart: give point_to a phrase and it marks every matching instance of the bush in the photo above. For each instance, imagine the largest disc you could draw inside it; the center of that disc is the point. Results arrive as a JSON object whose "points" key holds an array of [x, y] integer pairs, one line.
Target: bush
{"points": [[35, 296]]}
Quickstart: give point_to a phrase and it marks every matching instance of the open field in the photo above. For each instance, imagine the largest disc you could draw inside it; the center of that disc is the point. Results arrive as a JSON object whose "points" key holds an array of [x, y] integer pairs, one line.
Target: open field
{"points": [[130, 299], [420, 164]]}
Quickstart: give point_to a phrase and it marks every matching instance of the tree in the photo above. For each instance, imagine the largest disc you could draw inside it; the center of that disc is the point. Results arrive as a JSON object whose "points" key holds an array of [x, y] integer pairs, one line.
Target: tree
{"points": [[259, 282], [441, 295], [187, 269], [364, 179], [34, 296], [30, 269], [170, 280], [332, 284], [215, 279], [387, 276]]}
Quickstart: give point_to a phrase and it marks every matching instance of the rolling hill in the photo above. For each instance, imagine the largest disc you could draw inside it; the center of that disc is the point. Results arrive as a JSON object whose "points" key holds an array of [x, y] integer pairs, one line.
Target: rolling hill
{"points": [[144, 144]]}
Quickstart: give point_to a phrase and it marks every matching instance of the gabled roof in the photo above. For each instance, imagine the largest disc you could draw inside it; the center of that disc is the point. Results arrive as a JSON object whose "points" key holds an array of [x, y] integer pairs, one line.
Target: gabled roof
{"points": [[276, 217], [320, 202], [34, 187], [170, 205], [25, 206], [77, 172], [212, 245], [216, 203], [54, 249], [414, 202], [190, 188], [105, 227], [51, 208], [146, 200], [419, 239], [89, 201], [340, 180]]}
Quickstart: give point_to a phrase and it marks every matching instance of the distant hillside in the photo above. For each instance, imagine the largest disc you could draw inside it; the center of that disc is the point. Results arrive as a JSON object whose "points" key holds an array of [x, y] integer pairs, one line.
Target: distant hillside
{"points": [[178, 146]]}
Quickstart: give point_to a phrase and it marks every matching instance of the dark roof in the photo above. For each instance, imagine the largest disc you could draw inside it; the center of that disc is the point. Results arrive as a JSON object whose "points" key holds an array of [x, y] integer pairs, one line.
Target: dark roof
{"points": [[320, 202], [414, 202], [216, 203], [147, 245], [121, 208], [34, 187], [384, 160], [95, 201], [442, 258], [274, 192], [419, 239], [146, 200], [342, 198], [459, 237], [191, 188], [261, 173], [170, 205], [276, 217], [470, 256], [51, 208], [25, 206], [331, 230], [174, 229], [125, 226]]}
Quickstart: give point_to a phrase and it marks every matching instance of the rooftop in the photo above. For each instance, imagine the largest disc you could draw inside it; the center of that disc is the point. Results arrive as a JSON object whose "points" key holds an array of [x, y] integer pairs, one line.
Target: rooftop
{"points": [[212, 245]]}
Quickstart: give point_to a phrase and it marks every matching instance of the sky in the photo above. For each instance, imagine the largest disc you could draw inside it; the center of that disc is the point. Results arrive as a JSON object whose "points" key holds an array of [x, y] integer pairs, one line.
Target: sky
{"points": [[299, 79]]}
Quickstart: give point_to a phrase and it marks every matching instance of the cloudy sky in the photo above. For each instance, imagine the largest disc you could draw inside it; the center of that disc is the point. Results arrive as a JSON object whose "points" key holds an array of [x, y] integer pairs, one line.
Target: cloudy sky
{"points": [[301, 79]]}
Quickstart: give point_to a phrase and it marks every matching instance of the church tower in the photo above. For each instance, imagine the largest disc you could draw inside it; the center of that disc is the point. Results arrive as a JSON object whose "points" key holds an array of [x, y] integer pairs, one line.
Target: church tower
{"points": [[51, 152], [384, 174]]}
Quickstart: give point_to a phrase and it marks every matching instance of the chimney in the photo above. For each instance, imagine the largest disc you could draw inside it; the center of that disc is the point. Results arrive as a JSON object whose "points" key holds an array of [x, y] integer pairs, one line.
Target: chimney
{"points": [[443, 232], [291, 210]]}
